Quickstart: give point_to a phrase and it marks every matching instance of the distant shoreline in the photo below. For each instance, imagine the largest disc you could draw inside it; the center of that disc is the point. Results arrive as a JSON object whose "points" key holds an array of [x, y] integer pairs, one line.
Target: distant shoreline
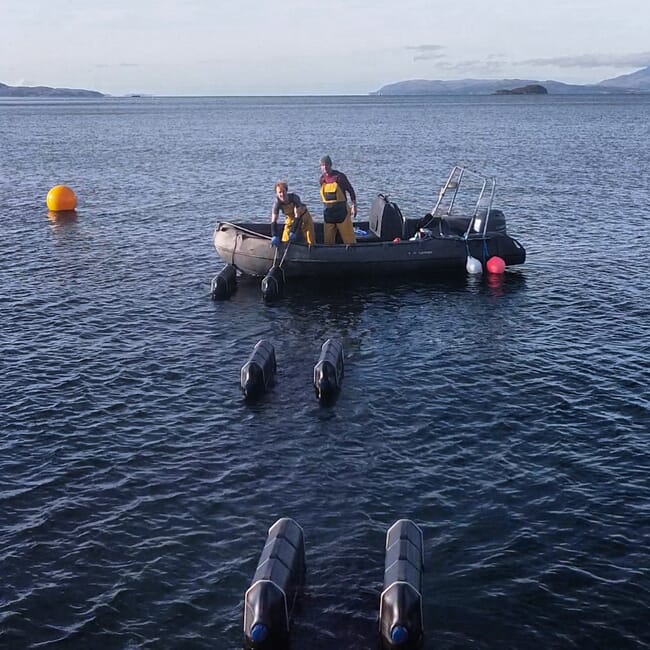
{"points": [[46, 91], [77, 94], [635, 83]]}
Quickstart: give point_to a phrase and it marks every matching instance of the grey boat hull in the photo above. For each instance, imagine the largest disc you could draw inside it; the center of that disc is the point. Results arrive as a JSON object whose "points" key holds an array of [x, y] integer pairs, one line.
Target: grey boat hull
{"points": [[247, 246]]}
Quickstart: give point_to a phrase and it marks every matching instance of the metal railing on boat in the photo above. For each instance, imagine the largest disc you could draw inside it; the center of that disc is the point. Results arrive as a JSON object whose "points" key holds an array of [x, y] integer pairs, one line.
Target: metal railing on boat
{"points": [[479, 216]]}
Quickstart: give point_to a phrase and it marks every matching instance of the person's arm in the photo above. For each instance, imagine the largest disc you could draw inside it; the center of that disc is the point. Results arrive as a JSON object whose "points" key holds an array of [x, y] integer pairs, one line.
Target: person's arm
{"points": [[347, 187], [275, 211], [297, 203]]}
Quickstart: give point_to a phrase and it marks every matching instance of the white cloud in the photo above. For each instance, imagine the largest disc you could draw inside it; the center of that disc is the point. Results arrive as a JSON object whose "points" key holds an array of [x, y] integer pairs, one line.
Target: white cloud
{"points": [[634, 60]]}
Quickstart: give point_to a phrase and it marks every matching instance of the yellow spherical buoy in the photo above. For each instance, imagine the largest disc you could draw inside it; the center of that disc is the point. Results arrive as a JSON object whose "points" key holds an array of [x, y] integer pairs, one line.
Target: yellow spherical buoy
{"points": [[61, 198]]}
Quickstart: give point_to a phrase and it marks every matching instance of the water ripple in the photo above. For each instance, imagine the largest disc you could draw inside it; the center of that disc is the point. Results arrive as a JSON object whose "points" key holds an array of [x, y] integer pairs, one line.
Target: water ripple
{"points": [[508, 417]]}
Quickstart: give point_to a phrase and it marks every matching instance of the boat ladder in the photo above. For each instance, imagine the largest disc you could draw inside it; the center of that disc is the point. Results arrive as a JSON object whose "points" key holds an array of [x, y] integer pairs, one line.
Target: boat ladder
{"points": [[452, 202]]}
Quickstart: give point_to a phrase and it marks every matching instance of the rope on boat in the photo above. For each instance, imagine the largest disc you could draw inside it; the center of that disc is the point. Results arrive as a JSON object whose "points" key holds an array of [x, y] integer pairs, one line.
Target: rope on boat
{"points": [[275, 256], [283, 256], [484, 252]]}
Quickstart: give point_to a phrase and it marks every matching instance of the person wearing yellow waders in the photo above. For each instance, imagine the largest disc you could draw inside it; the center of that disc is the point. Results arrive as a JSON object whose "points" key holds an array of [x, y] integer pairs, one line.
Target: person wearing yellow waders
{"points": [[296, 216], [337, 214]]}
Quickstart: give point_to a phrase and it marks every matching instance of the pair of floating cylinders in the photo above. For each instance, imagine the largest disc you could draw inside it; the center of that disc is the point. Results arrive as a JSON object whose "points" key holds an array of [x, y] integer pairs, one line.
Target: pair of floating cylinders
{"points": [[494, 265], [273, 284], [258, 372], [328, 371], [400, 608], [61, 199], [280, 574], [224, 283]]}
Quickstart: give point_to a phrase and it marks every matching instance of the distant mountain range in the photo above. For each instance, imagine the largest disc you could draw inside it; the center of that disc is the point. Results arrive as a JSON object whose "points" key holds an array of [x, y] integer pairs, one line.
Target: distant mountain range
{"points": [[628, 83], [45, 91], [636, 82]]}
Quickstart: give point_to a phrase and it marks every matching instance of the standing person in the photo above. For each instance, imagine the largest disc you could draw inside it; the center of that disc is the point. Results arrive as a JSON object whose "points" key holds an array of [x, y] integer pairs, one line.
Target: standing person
{"points": [[337, 214], [296, 216]]}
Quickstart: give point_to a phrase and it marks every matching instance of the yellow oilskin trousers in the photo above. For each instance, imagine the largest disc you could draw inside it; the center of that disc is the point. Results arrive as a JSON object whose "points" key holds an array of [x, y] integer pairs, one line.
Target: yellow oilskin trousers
{"points": [[306, 225], [345, 228]]}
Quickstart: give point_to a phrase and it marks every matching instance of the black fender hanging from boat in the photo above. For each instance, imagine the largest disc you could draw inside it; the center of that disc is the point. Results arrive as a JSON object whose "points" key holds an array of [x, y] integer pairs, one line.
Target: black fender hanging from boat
{"points": [[273, 284], [224, 283]]}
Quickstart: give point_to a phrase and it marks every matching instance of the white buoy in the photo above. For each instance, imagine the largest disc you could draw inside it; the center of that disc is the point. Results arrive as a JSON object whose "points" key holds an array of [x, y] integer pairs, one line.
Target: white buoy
{"points": [[473, 266]]}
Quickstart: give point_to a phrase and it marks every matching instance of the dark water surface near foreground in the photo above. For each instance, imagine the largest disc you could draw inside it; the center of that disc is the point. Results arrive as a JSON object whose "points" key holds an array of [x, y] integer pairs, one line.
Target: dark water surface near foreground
{"points": [[509, 418]]}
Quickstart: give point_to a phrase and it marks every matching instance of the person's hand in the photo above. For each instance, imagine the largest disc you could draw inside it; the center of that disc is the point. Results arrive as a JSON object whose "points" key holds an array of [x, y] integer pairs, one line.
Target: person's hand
{"points": [[275, 240], [292, 236], [354, 211]]}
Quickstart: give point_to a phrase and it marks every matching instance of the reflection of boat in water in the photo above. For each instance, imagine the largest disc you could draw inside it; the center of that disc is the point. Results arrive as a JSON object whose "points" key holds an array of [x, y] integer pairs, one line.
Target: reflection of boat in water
{"points": [[387, 244]]}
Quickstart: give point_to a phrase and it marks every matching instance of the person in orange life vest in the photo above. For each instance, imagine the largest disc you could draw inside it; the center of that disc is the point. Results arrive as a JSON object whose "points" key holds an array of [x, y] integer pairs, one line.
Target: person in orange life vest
{"points": [[337, 214], [296, 216]]}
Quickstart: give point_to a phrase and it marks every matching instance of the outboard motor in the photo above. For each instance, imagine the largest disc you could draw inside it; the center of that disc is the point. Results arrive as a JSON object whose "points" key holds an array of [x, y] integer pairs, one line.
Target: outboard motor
{"points": [[224, 283], [400, 607], [386, 220], [495, 223], [257, 373], [273, 283], [269, 601], [328, 371]]}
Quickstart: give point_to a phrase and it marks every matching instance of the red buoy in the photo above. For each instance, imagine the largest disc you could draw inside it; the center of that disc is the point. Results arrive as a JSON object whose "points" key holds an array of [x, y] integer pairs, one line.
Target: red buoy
{"points": [[495, 265]]}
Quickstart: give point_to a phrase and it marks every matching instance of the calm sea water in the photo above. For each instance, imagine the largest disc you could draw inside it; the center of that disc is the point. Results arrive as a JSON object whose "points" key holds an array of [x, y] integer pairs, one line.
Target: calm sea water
{"points": [[508, 418]]}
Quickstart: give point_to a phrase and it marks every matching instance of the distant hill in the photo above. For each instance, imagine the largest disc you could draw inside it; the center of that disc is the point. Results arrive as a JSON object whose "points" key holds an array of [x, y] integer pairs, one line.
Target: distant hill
{"points": [[45, 91], [639, 80], [635, 82]]}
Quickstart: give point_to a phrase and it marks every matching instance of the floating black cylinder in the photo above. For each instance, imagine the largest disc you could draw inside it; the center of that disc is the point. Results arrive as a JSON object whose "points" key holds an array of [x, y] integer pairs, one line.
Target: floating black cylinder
{"points": [[273, 283], [400, 607], [257, 373], [328, 371], [224, 283], [269, 601]]}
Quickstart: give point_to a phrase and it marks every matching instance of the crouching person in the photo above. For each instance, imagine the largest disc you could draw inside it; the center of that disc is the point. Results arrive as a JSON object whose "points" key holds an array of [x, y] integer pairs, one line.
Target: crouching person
{"points": [[296, 215]]}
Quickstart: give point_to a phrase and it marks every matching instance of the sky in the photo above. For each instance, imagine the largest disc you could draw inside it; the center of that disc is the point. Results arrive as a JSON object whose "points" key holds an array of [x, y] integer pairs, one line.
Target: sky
{"points": [[303, 47]]}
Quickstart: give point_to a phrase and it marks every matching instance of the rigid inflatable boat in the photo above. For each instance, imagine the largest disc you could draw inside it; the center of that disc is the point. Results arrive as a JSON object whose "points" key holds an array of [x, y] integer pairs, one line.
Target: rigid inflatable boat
{"points": [[388, 243]]}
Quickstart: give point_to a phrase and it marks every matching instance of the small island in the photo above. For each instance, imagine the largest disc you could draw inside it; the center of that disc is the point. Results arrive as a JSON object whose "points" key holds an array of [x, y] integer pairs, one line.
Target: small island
{"points": [[530, 89], [45, 91]]}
